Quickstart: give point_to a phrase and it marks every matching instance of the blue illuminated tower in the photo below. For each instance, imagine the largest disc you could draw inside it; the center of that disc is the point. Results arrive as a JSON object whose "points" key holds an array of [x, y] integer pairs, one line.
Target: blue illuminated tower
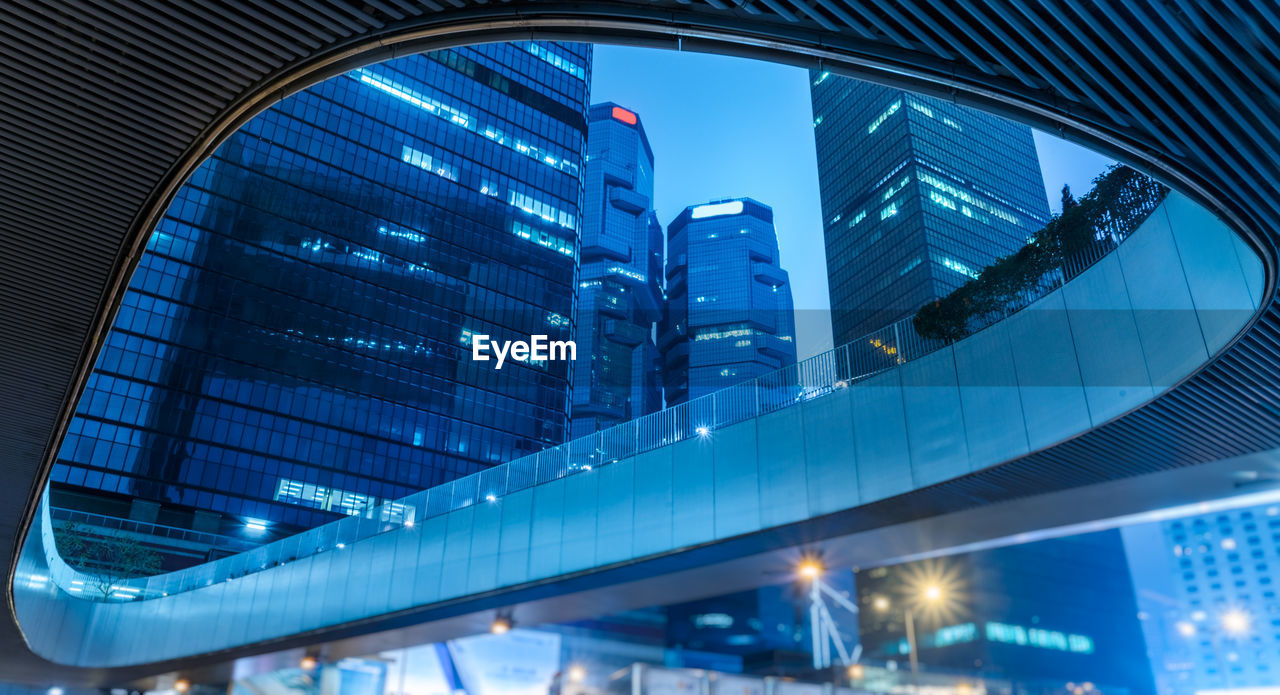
{"points": [[295, 343], [620, 281], [1205, 584], [729, 310], [918, 196]]}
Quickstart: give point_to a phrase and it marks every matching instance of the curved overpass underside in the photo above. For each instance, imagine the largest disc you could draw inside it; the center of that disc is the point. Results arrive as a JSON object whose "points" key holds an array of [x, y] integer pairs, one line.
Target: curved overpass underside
{"points": [[107, 107]]}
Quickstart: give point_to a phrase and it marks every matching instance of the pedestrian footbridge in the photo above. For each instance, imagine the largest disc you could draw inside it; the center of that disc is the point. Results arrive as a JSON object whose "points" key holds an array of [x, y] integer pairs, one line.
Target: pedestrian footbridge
{"points": [[1050, 399]]}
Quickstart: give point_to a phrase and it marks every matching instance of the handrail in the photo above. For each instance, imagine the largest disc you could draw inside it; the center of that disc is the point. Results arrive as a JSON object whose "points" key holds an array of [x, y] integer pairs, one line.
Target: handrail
{"points": [[213, 540], [811, 378]]}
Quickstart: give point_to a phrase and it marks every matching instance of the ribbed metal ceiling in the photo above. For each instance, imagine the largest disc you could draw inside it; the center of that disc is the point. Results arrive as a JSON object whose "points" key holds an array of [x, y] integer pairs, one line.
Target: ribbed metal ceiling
{"points": [[105, 105]]}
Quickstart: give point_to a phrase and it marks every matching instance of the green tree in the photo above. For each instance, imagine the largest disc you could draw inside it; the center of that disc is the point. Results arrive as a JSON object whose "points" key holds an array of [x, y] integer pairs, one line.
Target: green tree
{"points": [[1120, 200], [1068, 200], [105, 559]]}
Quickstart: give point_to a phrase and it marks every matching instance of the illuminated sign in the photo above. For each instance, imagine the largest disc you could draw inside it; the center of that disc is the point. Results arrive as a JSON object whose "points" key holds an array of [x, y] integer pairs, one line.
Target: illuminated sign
{"points": [[1005, 634], [718, 620], [625, 272], [624, 115], [1037, 637], [733, 207]]}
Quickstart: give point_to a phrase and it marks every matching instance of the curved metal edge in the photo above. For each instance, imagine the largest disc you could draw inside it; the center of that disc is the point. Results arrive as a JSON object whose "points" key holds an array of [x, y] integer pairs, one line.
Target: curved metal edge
{"points": [[687, 30]]}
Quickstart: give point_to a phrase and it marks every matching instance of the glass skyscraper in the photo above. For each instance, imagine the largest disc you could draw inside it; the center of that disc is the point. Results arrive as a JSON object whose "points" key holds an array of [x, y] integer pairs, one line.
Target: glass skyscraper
{"points": [[620, 288], [295, 343], [1204, 585], [729, 310], [918, 196]]}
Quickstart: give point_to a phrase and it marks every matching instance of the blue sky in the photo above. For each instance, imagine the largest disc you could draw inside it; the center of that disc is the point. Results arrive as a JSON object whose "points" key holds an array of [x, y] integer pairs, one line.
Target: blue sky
{"points": [[725, 127]]}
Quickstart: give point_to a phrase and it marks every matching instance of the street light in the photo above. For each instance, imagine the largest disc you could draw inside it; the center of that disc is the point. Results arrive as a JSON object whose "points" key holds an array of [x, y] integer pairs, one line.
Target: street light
{"points": [[1235, 622], [501, 625], [822, 627], [930, 594]]}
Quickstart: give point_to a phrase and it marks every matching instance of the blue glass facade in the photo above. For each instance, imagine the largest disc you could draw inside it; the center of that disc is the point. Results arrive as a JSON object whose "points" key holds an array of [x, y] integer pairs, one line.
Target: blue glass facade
{"points": [[1205, 587], [729, 311], [295, 342], [1040, 615], [918, 195], [620, 297]]}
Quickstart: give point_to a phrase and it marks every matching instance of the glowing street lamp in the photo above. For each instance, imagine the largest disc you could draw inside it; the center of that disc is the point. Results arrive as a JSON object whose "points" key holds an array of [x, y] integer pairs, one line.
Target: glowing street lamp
{"points": [[1235, 622], [822, 627], [932, 593], [501, 625]]}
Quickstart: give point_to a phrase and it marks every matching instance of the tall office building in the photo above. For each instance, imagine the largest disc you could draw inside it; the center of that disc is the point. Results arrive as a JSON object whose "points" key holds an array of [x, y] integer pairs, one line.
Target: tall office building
{"points": [[1039, 614], [620, 282], [1204, 585], [296, 342], [918, 195], [729, 311]]}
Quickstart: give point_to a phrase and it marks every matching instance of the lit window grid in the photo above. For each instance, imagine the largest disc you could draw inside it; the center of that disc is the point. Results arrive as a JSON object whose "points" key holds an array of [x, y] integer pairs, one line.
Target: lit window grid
{"points": [[1225, 563], [618, 383], [864, 252], [712, 269], [111, 447]]}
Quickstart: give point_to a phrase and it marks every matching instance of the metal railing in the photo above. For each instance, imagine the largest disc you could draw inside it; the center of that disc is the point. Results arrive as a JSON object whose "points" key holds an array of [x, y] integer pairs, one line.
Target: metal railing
{"points": [[213, 541], [814, 377], [1065, 247], [804, 381]]}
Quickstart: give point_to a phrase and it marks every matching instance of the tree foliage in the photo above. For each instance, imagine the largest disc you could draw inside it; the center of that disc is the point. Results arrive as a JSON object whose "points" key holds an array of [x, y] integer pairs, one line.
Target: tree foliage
{"points": [[104, 558], [1120, 200]]}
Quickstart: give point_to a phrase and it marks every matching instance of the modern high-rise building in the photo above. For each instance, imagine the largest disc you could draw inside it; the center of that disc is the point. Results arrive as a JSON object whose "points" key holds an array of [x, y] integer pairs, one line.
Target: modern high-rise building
{"points": [[1040, 615], [729, 310], [617, 377], [296, 342], [918, 196], [1204, 585]]}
